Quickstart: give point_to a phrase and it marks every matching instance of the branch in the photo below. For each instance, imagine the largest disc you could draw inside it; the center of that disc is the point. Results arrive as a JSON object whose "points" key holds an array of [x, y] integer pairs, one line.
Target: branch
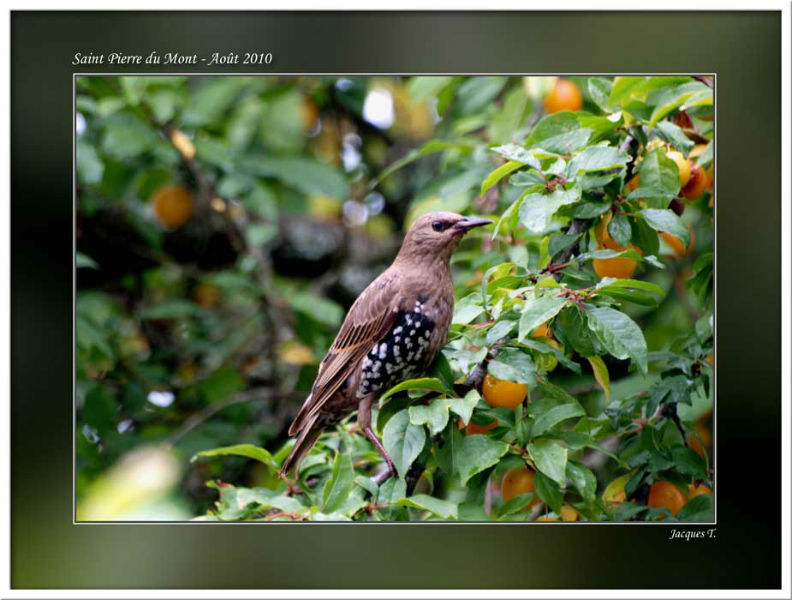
{"points": [[257, 393]]}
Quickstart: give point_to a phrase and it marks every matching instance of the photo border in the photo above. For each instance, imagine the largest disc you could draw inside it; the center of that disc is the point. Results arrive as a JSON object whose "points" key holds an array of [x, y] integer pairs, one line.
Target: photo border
{"points": [[506, 588]]}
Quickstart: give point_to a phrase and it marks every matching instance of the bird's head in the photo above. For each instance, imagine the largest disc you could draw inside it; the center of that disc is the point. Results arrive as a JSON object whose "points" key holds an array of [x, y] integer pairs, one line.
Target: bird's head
{"points": [[435, 235]]}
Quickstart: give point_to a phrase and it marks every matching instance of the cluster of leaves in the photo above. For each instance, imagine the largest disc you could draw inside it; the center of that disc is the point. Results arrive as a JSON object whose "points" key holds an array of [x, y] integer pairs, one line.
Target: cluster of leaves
{"points": [[615, 383], [206, 334]]}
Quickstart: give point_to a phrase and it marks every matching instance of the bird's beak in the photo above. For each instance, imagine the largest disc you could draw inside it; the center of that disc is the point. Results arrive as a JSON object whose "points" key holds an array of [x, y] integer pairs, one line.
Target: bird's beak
{"points": [[470, 222]]}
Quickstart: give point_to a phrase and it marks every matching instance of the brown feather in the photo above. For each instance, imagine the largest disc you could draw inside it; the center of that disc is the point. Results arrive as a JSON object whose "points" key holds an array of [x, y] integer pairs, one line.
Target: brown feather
{"points": [[368, 320]]}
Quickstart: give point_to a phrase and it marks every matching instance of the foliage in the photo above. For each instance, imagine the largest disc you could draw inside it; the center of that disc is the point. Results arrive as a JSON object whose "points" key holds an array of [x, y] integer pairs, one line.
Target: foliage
{"points": [[619, 384]]}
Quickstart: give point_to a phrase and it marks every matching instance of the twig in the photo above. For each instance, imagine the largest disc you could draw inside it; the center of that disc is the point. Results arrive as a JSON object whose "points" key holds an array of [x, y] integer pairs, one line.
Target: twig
{"points": [[703, 79], [258, 393]]}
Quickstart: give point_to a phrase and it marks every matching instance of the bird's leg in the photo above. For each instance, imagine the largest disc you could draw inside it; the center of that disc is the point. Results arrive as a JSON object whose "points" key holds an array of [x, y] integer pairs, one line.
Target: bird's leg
{"points": [[364, 421]]}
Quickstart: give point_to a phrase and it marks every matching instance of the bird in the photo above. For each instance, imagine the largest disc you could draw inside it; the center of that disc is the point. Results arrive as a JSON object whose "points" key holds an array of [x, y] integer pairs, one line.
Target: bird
{"points": [[392, 332]]}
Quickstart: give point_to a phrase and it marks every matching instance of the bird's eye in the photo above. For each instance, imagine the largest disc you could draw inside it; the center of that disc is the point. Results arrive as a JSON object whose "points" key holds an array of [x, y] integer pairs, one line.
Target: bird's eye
{"points": [[440, 225]]}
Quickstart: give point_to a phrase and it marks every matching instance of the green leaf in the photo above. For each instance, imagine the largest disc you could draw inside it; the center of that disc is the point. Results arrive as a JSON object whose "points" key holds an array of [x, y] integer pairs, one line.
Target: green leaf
{"points": [[467, 309], [548, 491], [421, 88], [403, 441], [620, 335], [498, 174], [659, 177], [619, 229], [84, 261], [583, 479], [306, 175], [697, 509], [434, 415], [464, 406], [668, 221], [688, 462], [575, 330], [610, 283], [547, 349], [597, 158], [476, 453], [476, 93], [621, 89], [568, 142], [89, 165], [439, 508], [316, 307], [509, 217], [424, 383], [675, 136], [127, 136], [413, 155], [516, 505], [499, 331], [219, 385], [551, 126], [508, 120], [513, 365], [687, 95], [515, 153], [537, 311], [555, 415], [537, 209], [599, 89], [342, 480], [600, 374], [212, 99], [561, 241], [246, 450], [172, 309], [550, 458]]}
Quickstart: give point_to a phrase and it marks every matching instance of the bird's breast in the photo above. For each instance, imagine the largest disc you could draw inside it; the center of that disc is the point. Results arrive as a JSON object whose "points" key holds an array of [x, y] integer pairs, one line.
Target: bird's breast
{"points": [[404, 352]]}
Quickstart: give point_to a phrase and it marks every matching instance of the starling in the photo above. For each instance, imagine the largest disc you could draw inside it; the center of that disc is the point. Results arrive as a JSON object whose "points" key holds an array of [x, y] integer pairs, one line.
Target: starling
{"points": [[393, 331]]}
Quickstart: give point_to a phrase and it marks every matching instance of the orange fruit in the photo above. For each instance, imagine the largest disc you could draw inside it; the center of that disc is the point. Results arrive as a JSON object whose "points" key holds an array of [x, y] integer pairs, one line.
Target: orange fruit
{"points": [[518, 481], [664, 494], [697, 184], [676, 244], [601, 228], [309, 113], [474, 429], [704, 431], [569, 514], [206, 295], [697, 151], [698, 490], [173, 205], [683, 165], [619, 267], [542, 331], [502, 394], [566, 95], [709, 174], [709, 358], [546, 519], [633, 184]]}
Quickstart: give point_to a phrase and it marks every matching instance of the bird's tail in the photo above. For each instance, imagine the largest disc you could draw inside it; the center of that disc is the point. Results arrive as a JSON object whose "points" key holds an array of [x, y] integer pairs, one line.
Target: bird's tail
{"points": [[305, 441]]}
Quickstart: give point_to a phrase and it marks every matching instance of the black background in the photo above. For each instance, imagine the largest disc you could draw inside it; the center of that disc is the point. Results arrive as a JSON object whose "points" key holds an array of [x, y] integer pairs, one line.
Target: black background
{"points": [[743, 49]]}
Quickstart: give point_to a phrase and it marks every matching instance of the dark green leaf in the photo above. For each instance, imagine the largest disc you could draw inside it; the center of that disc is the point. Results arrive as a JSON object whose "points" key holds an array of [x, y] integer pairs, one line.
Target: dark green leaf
{"points": [[550, 458], [403, 441], [514, 365], [619, 334]]}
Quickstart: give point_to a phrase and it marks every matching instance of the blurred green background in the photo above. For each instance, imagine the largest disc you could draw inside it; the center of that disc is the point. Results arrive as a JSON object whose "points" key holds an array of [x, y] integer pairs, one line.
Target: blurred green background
{"points": [[224, 226]]}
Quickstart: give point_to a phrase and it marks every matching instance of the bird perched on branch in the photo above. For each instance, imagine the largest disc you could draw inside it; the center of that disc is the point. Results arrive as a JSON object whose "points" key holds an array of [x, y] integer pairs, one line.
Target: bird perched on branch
{"points": [[393, 332]]}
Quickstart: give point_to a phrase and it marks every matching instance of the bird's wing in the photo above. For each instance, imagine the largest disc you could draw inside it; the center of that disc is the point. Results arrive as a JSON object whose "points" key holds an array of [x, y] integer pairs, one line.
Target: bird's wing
{"points": [[371, 317]]}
